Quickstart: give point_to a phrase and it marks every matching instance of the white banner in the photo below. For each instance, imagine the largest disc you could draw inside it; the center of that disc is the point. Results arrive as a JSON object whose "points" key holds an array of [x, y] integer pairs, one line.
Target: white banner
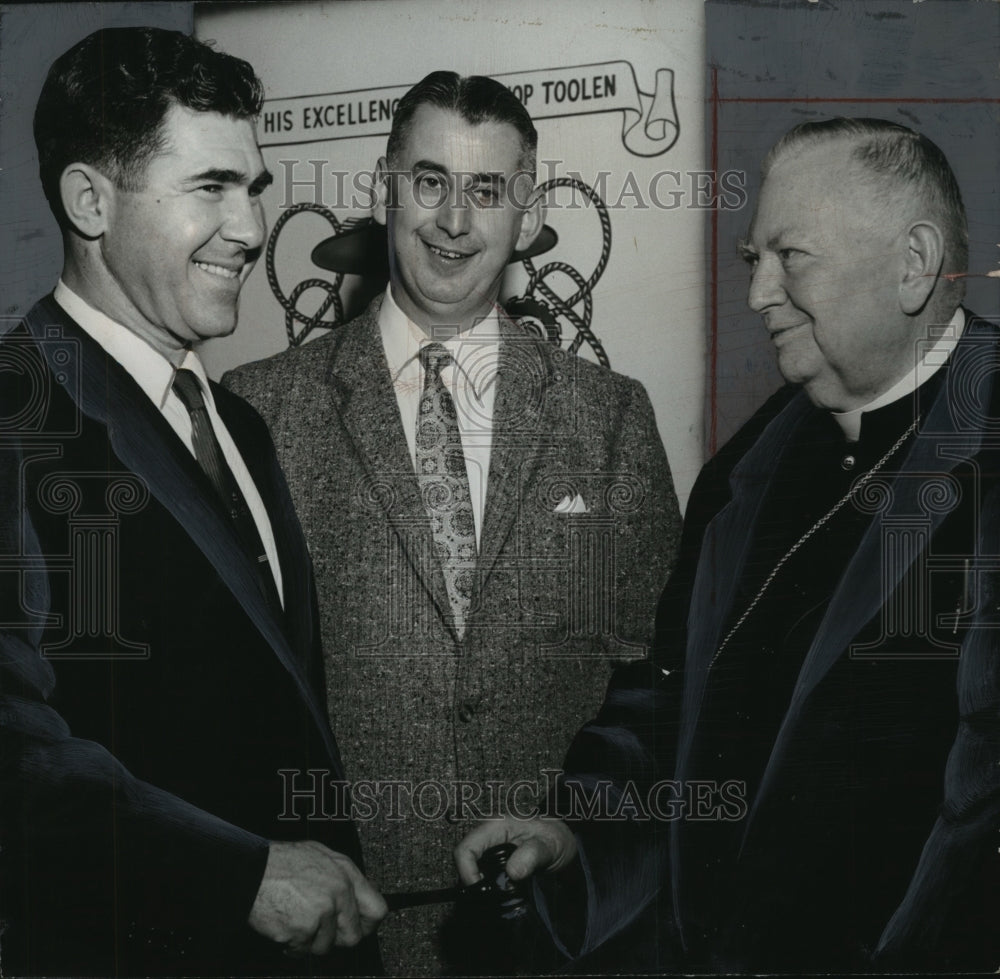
{"points": [[649, 120]]}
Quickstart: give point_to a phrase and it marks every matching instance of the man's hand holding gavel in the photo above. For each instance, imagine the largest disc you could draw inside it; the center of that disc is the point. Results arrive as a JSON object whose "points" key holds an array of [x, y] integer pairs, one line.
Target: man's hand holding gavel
{"points": [[542, 844], [312, 899]]}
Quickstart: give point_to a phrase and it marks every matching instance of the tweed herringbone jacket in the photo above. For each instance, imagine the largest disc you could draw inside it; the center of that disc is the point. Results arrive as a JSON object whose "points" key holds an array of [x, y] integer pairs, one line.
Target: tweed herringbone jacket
{"points": [[560, 597]]}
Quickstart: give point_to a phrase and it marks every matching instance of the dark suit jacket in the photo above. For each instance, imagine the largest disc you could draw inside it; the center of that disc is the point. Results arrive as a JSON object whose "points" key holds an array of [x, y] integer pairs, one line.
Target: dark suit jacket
{"points": [[869, 839], [148, 696], [559, 598]]}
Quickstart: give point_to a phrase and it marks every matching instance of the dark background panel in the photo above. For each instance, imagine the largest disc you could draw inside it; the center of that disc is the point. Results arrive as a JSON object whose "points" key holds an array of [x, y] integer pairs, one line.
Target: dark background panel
{"points": [[32, 36]]}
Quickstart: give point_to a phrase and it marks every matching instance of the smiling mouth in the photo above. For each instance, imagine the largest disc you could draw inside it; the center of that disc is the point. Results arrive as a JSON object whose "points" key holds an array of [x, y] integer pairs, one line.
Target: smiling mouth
{"points": [[220, 270], [446, 253], [781, 331]]}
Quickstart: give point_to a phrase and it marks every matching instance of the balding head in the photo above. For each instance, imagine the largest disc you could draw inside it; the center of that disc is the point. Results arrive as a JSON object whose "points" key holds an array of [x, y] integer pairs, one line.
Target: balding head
{"points": [[909, 177], [855, 231]]}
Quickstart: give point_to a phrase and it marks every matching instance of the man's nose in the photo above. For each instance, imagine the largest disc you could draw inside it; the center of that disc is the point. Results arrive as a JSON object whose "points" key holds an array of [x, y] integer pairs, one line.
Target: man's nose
{"points": [[244, 221], [453, 214], [767, 287]]}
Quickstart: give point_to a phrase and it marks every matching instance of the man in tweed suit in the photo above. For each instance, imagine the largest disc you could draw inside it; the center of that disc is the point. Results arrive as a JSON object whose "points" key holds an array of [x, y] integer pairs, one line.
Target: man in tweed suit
{"points": [[491, 519]]}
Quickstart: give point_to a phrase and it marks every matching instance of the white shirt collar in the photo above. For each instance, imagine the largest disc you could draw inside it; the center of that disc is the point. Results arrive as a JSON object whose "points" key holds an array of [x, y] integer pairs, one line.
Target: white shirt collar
{"points": [[933, 360], [146, 365], [155, 376], [475, 351]]}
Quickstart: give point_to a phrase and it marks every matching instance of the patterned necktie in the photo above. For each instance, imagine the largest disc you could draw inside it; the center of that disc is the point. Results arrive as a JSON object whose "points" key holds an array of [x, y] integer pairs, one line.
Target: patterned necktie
{"points": [[209, 455], [444, 483]]}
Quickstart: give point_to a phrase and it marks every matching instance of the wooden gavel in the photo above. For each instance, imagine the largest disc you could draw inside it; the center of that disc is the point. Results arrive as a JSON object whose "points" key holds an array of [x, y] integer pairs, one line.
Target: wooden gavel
{"points": [[495, 891]]}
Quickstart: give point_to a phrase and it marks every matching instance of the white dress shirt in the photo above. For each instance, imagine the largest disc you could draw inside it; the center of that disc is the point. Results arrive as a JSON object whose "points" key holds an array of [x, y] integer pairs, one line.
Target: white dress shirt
{"points": [[155, 375], [933, 360], [470, 379]]}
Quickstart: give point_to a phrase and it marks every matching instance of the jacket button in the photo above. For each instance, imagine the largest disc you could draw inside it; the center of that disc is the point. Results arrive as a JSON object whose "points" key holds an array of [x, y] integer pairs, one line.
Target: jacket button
{"points": [[466, 712]]}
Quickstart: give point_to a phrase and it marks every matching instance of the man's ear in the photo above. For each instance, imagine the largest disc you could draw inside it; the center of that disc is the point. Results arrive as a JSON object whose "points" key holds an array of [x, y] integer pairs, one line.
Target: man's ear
{"points": [[922, 265], [532, 221], [86, 198], [381, 191]]}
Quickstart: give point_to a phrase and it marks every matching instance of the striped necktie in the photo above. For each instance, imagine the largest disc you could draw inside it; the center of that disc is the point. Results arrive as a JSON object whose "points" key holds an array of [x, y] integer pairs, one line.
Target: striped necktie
{"points": [[210, 457]]}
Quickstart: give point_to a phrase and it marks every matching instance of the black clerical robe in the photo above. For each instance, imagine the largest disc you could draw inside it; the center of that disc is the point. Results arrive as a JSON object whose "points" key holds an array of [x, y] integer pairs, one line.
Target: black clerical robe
{"points": [[857, 702]]}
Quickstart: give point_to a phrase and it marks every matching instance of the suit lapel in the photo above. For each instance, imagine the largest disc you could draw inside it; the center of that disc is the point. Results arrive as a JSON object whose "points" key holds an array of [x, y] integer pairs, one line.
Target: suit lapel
{"points": [[939, 448], [288, 540], [519, 421], [723, 554], [720, 565], [361, 388], [301, 616], [145, 444]]}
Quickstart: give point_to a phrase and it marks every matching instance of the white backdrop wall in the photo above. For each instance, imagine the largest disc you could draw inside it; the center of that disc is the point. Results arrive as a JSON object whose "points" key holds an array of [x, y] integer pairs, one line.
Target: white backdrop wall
{"points": [[616, 91]]}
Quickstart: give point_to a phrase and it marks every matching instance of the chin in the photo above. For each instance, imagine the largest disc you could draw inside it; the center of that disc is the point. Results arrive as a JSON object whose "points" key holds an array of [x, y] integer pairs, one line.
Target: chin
{"points": [[215, 331], [828, 400]]}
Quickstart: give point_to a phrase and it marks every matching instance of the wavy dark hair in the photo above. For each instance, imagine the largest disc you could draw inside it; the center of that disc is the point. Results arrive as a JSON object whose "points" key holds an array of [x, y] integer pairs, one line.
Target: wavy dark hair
{"points": [[104, 101], [476, 99]]}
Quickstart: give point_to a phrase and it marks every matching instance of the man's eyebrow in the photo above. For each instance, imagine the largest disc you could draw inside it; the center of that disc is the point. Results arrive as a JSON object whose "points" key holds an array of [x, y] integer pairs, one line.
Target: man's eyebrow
{"points": [[422, 166], [495, 178], [263, 179], [787, 233], [217, 175]]}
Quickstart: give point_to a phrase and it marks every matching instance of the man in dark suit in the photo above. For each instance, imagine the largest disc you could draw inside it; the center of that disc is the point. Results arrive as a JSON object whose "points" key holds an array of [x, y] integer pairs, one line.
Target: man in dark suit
{"points": [[491, 518], [817, 733], [159, 648]]}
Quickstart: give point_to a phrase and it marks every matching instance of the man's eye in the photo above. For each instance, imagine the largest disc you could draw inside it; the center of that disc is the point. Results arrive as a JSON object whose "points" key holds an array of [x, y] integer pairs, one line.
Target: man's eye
{"points": [[786, 254], [485, 196], [430, 190], [751, 258], [211, 188]]}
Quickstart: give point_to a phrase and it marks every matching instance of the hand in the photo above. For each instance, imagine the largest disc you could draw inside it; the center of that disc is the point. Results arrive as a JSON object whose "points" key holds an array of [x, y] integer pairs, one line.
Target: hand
{"points": [[311, 899], [542, 844]]}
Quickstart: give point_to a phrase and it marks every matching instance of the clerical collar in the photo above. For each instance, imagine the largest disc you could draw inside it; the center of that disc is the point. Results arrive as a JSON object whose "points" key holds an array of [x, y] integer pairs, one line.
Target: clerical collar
{"points": [[933, 360]]}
